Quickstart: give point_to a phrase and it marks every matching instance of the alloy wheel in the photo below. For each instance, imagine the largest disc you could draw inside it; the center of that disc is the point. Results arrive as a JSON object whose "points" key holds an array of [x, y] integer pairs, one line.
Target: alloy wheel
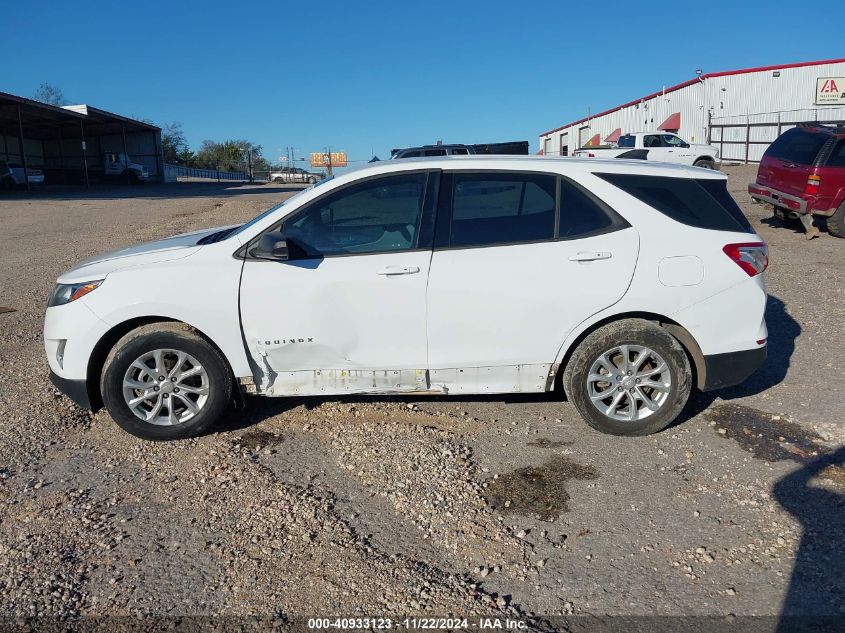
{"points": [[629, 382], [165, 387]]}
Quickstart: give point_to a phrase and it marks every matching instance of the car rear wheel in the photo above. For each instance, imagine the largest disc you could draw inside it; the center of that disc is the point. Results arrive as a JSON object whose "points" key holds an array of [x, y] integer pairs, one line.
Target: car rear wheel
{"points": [[163, 381], [836, 222], [630, 377]]}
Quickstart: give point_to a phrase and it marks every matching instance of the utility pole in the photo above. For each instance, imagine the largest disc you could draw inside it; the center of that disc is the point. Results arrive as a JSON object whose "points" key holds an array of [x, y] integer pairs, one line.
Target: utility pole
{"points": [[329, 161]]}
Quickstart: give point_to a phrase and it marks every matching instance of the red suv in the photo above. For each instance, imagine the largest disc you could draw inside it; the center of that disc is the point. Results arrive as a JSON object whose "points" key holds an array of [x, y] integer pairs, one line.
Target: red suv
{"points": [[802, 174]]}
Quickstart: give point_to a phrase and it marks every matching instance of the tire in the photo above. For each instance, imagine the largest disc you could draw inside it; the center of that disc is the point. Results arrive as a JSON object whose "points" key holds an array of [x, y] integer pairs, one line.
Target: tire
{"points": [[706, 163], [836, 222], [164, 345], [640, 336]]}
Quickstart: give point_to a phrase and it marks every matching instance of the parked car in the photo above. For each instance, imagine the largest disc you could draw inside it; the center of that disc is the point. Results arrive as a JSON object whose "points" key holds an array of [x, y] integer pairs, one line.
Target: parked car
{"points": [[295, 174], [7, 178], [659, 146], [479, 276], [36, 176], [802, 174], [514, 148]]}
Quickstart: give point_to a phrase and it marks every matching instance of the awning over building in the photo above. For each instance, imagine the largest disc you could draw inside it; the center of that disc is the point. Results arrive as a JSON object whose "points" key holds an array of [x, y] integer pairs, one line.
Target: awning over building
{"points": [[672, 124], [593, 142], [69, 143], [613, 137]]}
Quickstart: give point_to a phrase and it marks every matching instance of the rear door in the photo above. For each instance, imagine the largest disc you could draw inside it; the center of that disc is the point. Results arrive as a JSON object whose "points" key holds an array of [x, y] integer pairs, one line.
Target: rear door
{"points": [[520, 259]]}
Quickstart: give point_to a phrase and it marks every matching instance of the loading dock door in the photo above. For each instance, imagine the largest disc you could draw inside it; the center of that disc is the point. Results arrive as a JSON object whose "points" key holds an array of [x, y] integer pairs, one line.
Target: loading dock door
{"points": [[583, 136]]}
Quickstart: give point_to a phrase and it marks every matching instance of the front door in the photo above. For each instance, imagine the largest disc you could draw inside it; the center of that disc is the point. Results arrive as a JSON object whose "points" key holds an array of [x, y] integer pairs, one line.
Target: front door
{"points": [[510, 278], [678, 150], [347, 313]]}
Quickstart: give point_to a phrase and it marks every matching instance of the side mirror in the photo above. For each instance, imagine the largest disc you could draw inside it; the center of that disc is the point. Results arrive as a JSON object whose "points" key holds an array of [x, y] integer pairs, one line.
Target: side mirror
{"points": [[271, 246], [685, 144]]}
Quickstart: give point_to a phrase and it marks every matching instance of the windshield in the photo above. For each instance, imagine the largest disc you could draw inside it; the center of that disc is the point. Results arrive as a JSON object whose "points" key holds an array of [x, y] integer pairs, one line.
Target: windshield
{"points": [[260, 217]]}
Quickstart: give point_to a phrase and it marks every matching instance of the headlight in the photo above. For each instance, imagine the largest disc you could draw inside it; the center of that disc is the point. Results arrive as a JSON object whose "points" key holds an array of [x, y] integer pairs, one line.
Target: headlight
{"points": [[65, 293]]}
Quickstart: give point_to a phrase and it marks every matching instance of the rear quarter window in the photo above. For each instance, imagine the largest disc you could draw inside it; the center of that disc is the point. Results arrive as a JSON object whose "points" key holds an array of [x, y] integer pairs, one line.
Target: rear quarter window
{"points": [[702, 203], [837, 155]]}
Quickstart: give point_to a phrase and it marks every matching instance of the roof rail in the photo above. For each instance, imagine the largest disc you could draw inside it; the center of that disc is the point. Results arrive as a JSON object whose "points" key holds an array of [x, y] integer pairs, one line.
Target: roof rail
{"points": [[833, 124]]}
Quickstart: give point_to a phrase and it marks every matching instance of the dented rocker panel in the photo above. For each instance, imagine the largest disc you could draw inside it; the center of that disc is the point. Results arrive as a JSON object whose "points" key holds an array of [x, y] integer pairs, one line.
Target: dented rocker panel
{"points": [[467, 380]]}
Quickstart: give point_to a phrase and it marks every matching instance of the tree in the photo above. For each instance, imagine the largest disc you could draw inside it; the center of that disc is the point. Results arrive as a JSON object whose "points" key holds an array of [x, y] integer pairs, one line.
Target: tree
{"points": [[228, 155], [47, 93], [186, 157], [174, 143]]}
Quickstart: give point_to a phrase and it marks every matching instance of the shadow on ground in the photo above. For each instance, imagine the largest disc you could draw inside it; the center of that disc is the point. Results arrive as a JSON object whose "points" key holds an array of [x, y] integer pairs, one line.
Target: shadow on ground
{"points": [[817, 584]]}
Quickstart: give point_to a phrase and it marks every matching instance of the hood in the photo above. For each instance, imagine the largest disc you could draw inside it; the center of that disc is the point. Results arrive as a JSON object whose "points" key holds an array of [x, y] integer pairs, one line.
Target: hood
{"points": [[170, 248]]}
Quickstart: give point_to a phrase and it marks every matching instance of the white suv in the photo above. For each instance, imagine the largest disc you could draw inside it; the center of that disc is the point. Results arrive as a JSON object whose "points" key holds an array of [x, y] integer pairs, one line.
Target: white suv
{"points": [[624, 282]]}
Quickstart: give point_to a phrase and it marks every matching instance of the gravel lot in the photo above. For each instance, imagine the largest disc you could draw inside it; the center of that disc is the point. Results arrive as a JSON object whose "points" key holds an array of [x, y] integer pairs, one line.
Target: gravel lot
{"points": [[494, 505]]}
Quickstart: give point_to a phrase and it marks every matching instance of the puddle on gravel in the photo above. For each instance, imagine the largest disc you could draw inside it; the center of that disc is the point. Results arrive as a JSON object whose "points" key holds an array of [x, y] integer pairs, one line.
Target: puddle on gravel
{"points": [[764, 437], [545, 442], [772, 439], [256, 438], [537, 490]]}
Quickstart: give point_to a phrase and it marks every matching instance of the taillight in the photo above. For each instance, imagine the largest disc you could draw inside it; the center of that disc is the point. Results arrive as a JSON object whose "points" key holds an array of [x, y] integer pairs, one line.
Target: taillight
{"points": [[813, 184], [752, 257]]}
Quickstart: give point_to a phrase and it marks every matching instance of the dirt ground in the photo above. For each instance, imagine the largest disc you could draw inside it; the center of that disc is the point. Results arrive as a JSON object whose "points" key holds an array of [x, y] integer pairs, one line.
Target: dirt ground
{"points": [[507, 506]]}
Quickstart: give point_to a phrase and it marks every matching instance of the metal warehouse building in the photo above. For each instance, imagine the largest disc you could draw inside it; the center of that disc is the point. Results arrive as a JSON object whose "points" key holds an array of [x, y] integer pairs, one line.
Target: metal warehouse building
{"points": [[69, 143], [739, 111]]}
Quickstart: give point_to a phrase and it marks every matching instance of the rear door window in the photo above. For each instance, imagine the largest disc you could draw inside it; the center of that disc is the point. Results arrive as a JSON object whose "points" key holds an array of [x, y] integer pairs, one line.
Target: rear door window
{"points": [[704, 203], [798, 146], [506, 208]]}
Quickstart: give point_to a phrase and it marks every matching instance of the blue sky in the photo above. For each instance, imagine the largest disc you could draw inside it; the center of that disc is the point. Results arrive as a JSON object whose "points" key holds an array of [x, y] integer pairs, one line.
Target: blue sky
{"points": [[367, 76]]}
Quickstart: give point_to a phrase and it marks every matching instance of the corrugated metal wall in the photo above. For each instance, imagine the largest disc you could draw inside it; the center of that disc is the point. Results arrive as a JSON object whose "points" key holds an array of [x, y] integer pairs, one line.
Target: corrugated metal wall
{"points": [[739, 98]]}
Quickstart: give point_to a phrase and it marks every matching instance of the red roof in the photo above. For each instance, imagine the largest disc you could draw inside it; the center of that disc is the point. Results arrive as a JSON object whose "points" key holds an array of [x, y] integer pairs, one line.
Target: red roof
{"points": [[692, 81], [614, 135], [671, 124]]}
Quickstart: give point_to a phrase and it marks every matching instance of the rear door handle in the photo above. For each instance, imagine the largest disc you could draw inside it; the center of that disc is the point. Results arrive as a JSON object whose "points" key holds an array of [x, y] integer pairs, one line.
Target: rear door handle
{"points": [[589, 257], [389, 271]]}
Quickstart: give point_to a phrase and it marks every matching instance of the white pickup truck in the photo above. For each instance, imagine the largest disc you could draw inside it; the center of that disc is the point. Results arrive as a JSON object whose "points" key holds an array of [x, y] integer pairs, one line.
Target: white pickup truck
{"points": [[116, 164], [658, 146]]}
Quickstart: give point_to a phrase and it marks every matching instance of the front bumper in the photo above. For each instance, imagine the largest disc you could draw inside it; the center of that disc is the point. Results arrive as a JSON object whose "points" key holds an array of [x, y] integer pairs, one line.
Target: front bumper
{"points": [[731, 368], [76, 390]]}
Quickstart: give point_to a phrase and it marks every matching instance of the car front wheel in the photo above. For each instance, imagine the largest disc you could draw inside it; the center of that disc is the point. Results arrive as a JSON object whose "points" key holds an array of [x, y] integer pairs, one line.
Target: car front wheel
{"points": [[630, 377], [164, 381]]}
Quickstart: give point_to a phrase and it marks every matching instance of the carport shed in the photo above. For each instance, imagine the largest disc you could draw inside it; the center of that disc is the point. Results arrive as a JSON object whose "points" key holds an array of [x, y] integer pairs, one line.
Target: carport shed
{"points": [[68, 143]]}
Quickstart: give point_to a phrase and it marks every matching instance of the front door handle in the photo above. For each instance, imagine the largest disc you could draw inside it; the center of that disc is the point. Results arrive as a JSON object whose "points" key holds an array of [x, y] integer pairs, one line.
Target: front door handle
{"points": [[589, 257], [389, 271]]}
